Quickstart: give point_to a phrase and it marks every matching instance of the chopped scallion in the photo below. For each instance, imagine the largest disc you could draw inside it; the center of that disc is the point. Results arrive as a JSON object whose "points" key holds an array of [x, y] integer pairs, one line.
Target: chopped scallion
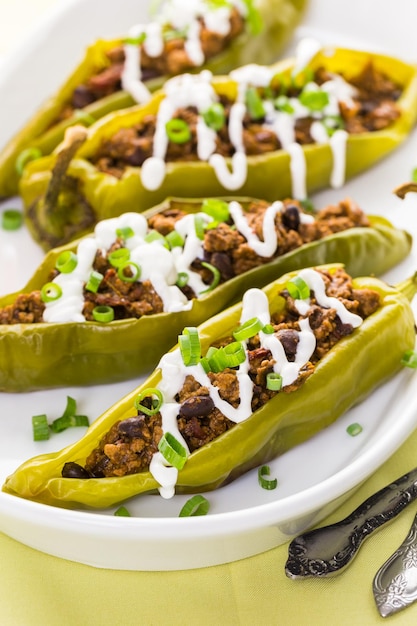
{"points": [[409, 359], [30, 154], [216, 276], [11, 219], [172, 450], [94, 281], [40, 427], [298, 288], [189, 344], [254, 104], [248, 329], [215, 116], [354, 429], [156, 402], [122, 512], [266, 483], [197, 505], [217, 209], [119, 257], [50, 292], [273, 381], [125, 233], [66, 262], [103, 313], [134, 275], [178, 131]]}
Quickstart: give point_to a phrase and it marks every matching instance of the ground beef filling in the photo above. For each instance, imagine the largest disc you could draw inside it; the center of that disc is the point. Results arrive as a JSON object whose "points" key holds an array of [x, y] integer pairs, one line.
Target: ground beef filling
{"points": [[173, 60], [128, 446], [373, 109], [224, 248]]}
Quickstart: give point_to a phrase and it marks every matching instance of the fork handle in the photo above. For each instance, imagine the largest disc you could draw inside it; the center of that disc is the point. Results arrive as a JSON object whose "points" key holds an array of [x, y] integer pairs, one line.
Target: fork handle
{"points": [[329, 549]]}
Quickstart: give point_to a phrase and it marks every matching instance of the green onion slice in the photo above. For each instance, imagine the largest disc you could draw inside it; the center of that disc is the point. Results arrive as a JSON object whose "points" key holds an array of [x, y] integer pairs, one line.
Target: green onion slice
{"points": [[134, 268], [354, 429], [30, 154], [215, 116], [197, 505], [182, 279], [216, 276], [125, 233], [298, 288], [217, 209], [414, 175], [69, 421], [40, 427], [249, 329], [231, 355], [254, 104], [94, 281], [189, 344], [50, 292], [273, 381], [266, 483], [268, 329], [122, 512], [409, 359], [282, 103], [174, 239], [154, 235], [333, 123], [253, 18], [199, 226], [85, 118], [178, 130], [308, 205], [315, 100], [11, 219], [172, 451], [66, 262], [119, 257], [135, 41], [156, 402], [103, 313]]}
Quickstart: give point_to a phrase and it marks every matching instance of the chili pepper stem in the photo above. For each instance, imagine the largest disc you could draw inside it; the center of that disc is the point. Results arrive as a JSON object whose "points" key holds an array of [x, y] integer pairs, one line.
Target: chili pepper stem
{"points": [[408, 286], [75, 136], [402, 190]]}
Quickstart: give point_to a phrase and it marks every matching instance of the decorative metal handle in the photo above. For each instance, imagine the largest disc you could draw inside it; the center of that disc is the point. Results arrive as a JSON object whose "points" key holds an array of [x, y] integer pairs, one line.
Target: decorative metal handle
{"points": [[395, 583], [327, 550]]}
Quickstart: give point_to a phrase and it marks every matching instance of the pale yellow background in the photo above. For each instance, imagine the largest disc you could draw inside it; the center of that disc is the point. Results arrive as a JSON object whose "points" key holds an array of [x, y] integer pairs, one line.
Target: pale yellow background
{"points": [[40, 590]]}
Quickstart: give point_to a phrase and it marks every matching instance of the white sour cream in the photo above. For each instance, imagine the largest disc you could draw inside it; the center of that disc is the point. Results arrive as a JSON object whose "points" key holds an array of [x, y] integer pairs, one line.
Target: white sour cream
{"points": [[254, 304]]}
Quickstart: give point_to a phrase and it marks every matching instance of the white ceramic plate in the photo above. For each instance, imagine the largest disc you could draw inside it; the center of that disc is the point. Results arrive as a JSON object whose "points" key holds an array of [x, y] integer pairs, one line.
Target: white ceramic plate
{"points": [[313, 478]]}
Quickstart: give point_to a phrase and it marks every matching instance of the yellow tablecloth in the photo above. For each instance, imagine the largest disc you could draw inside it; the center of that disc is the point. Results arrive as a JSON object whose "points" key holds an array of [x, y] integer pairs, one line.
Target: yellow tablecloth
{"points": [[40, 590]]}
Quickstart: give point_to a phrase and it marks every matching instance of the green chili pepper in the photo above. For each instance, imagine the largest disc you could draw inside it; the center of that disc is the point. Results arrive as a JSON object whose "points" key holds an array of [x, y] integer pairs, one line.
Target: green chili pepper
{"points": [[283, 422], [28, 354], [268, 175], [279, 18]]}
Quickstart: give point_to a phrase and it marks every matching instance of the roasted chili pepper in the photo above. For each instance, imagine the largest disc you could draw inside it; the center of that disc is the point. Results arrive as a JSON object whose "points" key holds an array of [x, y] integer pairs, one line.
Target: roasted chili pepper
{"points": [[285, 420], [41, 355], [274, 20], [272, 173]]}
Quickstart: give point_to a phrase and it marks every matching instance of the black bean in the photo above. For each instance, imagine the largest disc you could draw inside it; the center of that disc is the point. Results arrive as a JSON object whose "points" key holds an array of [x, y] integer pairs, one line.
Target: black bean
{"points": [[132, 426], [223, 262], [81, 97], [291, 217], [289, 340], [197, 406], [74, 470]]}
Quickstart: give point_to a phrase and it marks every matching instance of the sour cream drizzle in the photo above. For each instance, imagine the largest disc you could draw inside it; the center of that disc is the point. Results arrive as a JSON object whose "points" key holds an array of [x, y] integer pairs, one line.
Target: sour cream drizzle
{"points": [[181, 16], [255, 304], [157, 264], [197, 91]]}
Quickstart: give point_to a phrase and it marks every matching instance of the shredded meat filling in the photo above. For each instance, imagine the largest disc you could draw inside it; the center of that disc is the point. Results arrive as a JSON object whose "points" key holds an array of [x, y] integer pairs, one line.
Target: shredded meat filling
{"points": [[129, 445], [224, 248], [172, 61], [373, 108]]}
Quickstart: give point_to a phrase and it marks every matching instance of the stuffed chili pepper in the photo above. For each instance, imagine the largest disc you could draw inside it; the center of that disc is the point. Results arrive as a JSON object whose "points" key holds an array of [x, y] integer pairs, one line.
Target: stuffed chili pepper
{"points": [[263, 132], [142, 277], [236, 392], [184, 35]]}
